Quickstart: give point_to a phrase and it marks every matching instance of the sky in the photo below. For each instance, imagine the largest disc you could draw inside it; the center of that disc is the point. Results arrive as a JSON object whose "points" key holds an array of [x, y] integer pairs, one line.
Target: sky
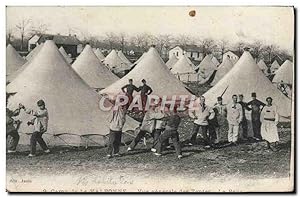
{"points": [[272, 25]]}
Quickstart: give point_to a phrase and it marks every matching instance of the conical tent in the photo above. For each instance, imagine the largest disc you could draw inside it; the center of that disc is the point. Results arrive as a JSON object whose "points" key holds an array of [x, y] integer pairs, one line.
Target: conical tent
{"points": [[65, 55], [206, 67], [284, 73], [223, 69], [215, 61], [262, 65], [123, 57], [113, 61], [92, 71], [244, 78], [172, 60], [155, 72], [75, 117], [138, 60], [183, 65], [34, 52], [275, 65], [13, 60], [99, 54]]}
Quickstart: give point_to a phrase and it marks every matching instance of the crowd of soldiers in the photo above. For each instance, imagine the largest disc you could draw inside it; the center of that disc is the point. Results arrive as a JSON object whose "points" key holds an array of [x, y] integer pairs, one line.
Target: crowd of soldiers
{"points": [[163, 123], [210, 122]]}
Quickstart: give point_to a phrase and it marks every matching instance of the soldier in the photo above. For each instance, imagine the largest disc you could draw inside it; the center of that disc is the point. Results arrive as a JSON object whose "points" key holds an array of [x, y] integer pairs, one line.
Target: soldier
{"points": [[40, 125], [12, 127], [130, 88], [171, 131], [244, 124], [234, 117], [148, 126], [159, 127], [255, 106], [145, 91], [220, 114], [201, 116], [269, 118], [117, 122]]}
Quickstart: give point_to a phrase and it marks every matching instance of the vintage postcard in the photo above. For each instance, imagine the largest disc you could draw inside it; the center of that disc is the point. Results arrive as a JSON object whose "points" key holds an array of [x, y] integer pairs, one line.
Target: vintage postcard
{"points": [[150, 99]]}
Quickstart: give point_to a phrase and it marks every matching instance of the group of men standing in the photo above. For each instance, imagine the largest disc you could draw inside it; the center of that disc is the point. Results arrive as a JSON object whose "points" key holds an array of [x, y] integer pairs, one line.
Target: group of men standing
{"points": [[214, 121], [209, 122]]}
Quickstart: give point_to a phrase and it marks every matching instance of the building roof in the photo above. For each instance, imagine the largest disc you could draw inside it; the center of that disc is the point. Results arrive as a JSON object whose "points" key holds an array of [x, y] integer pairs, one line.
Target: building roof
{"points": [[60, 39], [190, 48]]}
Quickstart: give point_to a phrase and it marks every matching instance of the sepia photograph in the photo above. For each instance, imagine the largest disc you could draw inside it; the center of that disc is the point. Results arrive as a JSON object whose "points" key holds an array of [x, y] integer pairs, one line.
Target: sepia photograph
{"points": [[150, 99]]}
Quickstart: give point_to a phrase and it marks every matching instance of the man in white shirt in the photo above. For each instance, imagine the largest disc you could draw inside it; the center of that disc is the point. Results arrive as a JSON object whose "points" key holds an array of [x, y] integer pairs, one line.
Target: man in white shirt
{"points": [[201, 116], [234, 117]]}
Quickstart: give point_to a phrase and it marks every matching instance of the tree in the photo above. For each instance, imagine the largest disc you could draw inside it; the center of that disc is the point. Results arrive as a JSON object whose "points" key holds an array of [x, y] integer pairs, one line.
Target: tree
{"points": [[39, 28], [182, 40], [208, 46], [111, 39], [256, 49], [223, 46], [122, 40], [9, 35], [143, 41], [163, 43], [271, 51], [23, 27]]}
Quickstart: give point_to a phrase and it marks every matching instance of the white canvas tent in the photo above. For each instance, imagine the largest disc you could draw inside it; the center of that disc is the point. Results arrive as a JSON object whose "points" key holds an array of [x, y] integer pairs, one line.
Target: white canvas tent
{"points": [[123, 57], [206, 67], [222, 70], [34, 52], [275, 65], [172, 60], [99, 54], [65, 55], [215, 61], [244, 78], [183, 65], [114, 62], [13, 60], [262, 65], [284, 73], [138, 60], [74, 114], [92, 71], [155, 72]]}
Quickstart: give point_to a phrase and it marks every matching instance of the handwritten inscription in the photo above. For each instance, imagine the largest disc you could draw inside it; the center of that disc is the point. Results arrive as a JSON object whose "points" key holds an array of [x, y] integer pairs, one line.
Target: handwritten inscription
{"points": [[12, 180], [93, 179]]}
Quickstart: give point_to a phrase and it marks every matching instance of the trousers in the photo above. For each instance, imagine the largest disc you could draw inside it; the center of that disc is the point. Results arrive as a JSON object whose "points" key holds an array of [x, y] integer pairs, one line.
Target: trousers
{"points": [[137, 139], [37, 137], [204, 129], [173, 134], [114, 142], [233, 133], [13, 140], [256, 125]]}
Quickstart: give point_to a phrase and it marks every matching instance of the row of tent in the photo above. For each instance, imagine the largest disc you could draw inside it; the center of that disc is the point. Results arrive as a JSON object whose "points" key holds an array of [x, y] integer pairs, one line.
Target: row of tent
{"points": [[72, 102], [183, 67]]}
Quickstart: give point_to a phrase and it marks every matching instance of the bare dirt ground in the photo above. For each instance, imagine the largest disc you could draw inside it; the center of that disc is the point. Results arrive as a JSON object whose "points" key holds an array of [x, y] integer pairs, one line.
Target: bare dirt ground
{"points": [[80, 169]]}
